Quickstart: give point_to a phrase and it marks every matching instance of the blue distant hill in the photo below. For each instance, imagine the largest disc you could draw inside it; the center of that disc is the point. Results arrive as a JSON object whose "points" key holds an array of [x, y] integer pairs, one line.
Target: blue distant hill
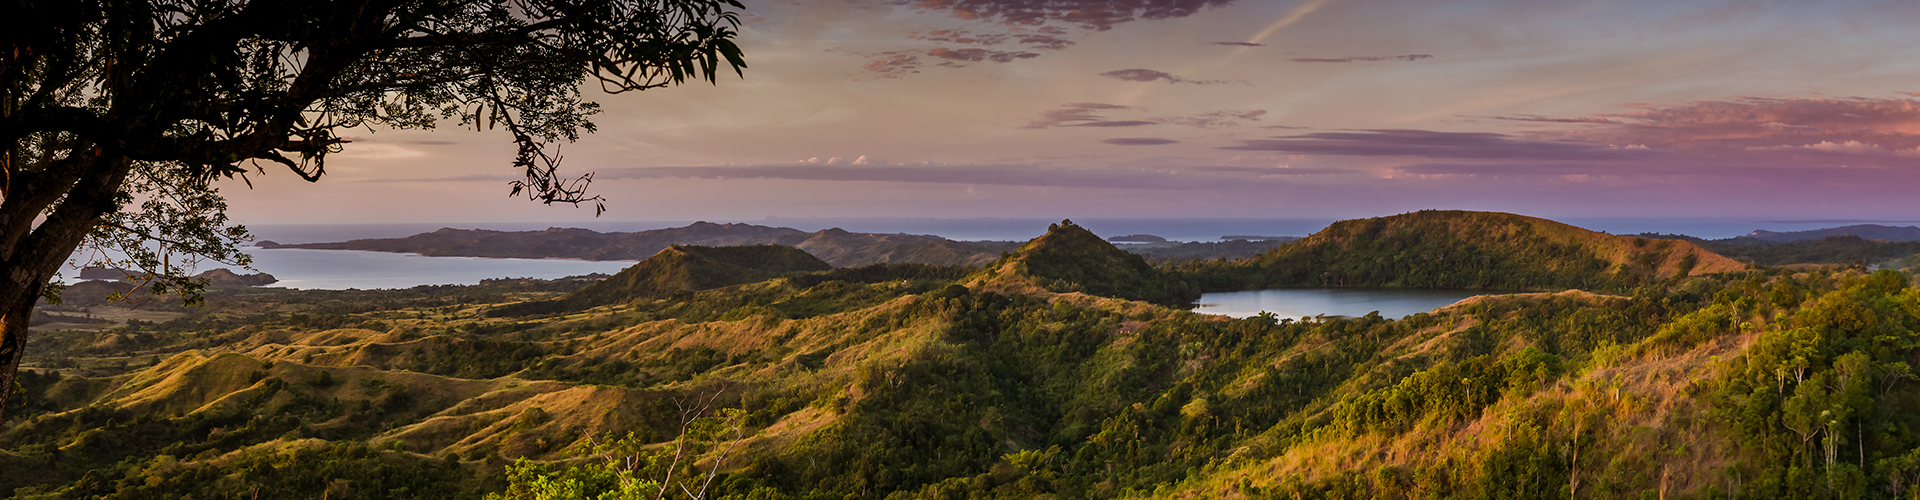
{"points": [[1867, 231]]}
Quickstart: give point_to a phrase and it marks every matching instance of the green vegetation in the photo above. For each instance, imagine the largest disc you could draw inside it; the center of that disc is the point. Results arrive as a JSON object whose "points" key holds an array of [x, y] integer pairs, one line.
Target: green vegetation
{"points": [[1070, 258], [1832, 249], [903, 381], [1452, 249], [1178, 253], [682, 268]]}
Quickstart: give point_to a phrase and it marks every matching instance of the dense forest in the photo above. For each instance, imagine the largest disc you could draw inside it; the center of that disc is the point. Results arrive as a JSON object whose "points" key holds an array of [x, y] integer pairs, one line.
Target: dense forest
{"points": [[1056, 371]]}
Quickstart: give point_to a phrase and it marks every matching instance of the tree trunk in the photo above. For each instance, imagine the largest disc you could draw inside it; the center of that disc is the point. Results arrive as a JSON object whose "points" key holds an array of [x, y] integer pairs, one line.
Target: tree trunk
{"points": [[33, 253]]}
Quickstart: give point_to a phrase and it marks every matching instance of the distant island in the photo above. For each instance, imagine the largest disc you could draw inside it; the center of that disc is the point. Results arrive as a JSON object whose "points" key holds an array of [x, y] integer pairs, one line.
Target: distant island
{"points": [[838, 247], [1137, 238], [1233, 237], [1867, 231]]}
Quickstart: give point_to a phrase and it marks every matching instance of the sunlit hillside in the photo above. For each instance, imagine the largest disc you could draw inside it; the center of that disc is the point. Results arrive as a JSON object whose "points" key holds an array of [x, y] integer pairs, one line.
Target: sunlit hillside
{"points": [[1066, 369]]}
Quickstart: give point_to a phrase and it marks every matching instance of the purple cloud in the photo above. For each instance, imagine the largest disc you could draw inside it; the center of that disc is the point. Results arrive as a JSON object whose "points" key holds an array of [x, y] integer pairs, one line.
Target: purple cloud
{"points": [[1888, 124], [1408, 57], [1089, 115], [1075, 112], [977, 55], [1545, 119], [1100, 15], [894, 63], [1147, 75], [1217, 119], [1240, 44], [1139, 141], [1113, 123], [1429, 144], [1157, 178]]}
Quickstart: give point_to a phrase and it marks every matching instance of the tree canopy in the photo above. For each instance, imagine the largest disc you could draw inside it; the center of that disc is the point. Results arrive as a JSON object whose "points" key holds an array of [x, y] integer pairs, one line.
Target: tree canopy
{"points": [[119, 115]]}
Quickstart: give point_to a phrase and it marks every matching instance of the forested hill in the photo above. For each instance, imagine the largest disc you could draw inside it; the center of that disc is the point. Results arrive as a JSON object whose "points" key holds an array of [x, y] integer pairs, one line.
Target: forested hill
{"points": [[837, 247], [1459, 249], [681, 268], [1070, 258], [911, 381]]}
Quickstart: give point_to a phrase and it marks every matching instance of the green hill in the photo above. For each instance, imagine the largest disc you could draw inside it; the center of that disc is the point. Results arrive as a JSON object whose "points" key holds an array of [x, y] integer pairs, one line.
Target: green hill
{"points": [[680, 268], [890, 381], [688, 268], [847, 249], [1459, 249], [1070, 258]]}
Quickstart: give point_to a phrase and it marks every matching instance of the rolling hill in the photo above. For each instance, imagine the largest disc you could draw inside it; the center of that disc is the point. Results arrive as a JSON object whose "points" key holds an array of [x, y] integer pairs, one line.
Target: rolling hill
{"points": [[1458, 249], [1034, 377], [1069, 258]]}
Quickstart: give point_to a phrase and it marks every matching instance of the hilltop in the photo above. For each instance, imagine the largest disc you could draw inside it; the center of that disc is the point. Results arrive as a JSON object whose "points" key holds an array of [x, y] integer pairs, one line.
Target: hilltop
{"points": [[1069, 258], [682, 268], [847, 249], [1460, 249]]}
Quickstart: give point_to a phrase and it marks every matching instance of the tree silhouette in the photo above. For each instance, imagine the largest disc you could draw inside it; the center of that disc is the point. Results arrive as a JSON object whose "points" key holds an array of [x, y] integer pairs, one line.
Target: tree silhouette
{"points": [[119, 115]]}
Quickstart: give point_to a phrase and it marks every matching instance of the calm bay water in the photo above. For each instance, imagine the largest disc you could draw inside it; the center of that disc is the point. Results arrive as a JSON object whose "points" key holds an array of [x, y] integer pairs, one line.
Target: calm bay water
{"points": [[342, 269], [1355, 302]]}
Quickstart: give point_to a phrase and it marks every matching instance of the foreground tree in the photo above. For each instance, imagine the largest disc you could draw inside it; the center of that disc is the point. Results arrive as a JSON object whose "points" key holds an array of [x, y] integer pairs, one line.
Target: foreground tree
{"points": [[119, 115]]}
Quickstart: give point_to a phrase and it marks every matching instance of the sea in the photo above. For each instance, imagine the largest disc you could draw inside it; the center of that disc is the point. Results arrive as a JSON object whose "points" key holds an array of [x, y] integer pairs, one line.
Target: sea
{"points": [[346, 269]]}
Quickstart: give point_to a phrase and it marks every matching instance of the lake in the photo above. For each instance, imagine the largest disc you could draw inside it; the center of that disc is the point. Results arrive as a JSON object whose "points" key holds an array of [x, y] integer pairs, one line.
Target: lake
{"points": [[1295, 303], [343, 269]]}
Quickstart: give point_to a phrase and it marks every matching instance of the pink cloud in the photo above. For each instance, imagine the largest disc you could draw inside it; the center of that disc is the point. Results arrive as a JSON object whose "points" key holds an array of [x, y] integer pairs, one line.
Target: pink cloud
{"points": [[1147, 75], [1748, 122], [1098, 15], [1350, 59], [1093, 115]]}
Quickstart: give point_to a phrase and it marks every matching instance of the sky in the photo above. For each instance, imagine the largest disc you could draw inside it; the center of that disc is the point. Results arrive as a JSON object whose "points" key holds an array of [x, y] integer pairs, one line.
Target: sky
{"points": [[1215, 108]]}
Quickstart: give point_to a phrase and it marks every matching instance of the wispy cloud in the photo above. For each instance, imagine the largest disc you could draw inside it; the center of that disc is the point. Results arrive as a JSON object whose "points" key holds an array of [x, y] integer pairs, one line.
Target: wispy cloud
{"points": [[1203, 177], [1240, 44], [1430, 144], [894, 64], [1352, 59], [1100, 15], [1114, 123], [977, 55], [1073, 114], [1750, 122], [1139, 141], [1147, 75], [1217, 119], [1094, 115]]}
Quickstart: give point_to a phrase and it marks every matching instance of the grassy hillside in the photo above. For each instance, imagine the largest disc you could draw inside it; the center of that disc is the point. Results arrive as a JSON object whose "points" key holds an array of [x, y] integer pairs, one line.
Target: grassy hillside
{"points": [[1456, 249], [682, 268], [1070, 258], [845, 249], [922, 382]]}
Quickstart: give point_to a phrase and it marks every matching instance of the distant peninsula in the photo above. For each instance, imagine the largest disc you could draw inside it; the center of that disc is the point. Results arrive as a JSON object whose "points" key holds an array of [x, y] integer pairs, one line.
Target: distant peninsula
{"points": [[835, 246], [1866, 231]]}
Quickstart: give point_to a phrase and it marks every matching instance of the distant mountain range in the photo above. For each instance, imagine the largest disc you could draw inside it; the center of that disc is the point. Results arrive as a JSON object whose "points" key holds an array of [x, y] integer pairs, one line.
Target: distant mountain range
{"points": [[1867, 231], [835, 246]]}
